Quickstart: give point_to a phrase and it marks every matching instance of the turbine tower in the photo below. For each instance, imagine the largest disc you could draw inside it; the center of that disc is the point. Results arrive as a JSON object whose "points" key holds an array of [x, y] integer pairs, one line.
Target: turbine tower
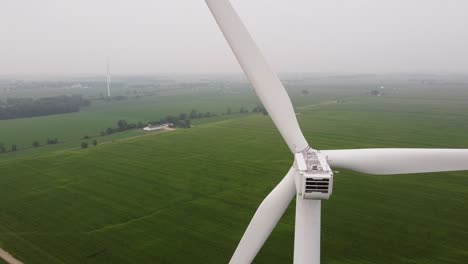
{"points": [[108, 79], [310, 178]]}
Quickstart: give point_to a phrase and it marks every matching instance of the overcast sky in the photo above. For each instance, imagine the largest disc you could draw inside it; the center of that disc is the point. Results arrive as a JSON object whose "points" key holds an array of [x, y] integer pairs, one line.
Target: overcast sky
{"points": [[160, 36]]}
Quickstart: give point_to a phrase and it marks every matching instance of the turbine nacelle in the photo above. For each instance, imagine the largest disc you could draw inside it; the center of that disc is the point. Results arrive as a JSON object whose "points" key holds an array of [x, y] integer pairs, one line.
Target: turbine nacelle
{"points": [[314, 177]]}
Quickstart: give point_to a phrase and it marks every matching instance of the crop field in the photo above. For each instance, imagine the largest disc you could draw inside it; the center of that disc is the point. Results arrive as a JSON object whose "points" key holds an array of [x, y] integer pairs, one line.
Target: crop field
{"points": [[187, 196], [71, 128]]}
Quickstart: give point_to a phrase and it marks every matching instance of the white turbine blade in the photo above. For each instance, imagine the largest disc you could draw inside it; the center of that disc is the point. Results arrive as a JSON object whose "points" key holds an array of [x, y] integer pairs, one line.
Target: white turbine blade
{"points": [[398, 161], [265, 219], [265, 82]]}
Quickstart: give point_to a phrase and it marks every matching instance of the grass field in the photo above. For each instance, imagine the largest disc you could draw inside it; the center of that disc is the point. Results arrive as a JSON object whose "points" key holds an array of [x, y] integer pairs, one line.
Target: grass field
{"points": [[188, 195], [71, 128]]}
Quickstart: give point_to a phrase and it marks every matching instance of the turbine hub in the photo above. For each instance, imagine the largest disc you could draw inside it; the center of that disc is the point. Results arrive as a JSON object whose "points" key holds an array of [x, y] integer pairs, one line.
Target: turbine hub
{"points": [[314, 178]]}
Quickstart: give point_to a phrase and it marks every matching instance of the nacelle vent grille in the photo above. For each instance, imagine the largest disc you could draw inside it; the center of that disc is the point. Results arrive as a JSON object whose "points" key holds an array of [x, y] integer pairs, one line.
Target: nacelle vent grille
{"points": [[316, 185]]}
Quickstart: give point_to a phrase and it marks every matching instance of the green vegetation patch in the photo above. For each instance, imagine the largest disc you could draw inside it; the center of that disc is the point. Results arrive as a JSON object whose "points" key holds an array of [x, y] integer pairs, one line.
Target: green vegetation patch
{"points": [[188, 195]]}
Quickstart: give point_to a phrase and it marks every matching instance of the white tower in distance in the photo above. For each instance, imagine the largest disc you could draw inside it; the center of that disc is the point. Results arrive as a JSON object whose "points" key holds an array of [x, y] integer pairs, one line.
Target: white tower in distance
{"points": [[108, 79]]}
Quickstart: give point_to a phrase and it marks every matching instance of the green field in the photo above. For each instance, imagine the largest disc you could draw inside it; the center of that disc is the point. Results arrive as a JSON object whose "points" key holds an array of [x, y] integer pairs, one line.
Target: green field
{"points": [[71, 128], [188, 195]]}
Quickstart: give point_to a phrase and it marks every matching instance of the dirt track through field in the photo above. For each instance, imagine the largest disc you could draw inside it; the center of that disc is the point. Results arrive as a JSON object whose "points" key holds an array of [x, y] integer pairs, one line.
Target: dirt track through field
{"points": [[9, 258]]}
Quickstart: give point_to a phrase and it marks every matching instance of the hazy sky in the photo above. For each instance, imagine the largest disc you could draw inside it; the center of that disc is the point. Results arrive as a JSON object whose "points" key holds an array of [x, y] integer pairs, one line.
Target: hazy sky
{"points": [[154, 36]]}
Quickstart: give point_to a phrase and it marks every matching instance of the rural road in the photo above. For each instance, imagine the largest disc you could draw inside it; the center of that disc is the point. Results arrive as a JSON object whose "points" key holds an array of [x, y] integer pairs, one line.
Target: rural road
{"points": [[9, 258]]}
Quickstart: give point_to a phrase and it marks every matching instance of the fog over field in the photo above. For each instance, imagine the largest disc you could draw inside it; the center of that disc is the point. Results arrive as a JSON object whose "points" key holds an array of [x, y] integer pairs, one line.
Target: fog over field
{"points": [[73, 37]]}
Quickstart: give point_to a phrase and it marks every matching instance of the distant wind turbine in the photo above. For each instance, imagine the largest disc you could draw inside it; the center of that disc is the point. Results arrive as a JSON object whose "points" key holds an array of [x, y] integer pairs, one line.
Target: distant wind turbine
{"points": [[310, 178], [108, 79]]}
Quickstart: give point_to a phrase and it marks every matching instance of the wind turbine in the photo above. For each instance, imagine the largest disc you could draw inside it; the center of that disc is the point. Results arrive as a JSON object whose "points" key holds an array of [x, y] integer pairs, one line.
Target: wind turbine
{"points": [[108, 79], [310, 179]]}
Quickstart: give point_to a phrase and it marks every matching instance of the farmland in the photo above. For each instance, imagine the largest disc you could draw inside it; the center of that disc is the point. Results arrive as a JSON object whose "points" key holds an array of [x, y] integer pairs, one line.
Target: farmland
{"points": [[70, 129], [188, 195]]}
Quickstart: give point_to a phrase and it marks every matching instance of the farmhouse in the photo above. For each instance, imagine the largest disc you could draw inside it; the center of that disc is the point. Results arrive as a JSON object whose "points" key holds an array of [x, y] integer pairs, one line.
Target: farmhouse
{"points": [[157, 127]]}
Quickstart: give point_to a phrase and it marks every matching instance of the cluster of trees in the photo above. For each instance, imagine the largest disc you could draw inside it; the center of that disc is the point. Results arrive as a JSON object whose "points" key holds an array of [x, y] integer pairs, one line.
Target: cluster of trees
{"points": [[194, 114], [260, 109], [122, 125], [85, 144], [2, 148], [35, 144], [243, 110], [183, 120], [50, 141], [28, 107]]}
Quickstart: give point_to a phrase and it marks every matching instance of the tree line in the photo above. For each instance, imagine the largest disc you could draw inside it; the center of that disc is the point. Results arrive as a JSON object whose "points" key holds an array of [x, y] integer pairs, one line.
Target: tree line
{"points": [[85, 144], [29, 107], [35, 144], [122, 125], [257, 109], [183, 120]]}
